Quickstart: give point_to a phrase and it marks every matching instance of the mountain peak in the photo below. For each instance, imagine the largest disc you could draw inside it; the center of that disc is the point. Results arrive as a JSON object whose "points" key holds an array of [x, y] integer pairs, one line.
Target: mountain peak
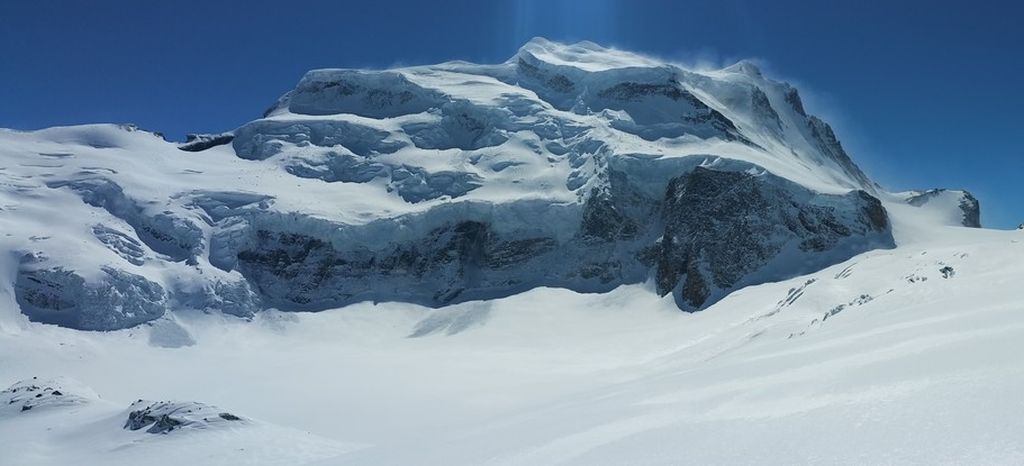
{"points": [[745, 67], [584, 55]]}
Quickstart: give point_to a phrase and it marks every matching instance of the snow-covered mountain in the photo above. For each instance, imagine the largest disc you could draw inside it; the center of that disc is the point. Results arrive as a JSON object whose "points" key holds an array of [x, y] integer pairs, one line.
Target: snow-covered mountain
{"points": [[512, 245], [569, 166]]}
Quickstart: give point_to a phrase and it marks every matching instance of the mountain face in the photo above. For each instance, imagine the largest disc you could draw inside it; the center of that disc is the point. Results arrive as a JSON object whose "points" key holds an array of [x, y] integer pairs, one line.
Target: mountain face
{"points": [[570, 166]]}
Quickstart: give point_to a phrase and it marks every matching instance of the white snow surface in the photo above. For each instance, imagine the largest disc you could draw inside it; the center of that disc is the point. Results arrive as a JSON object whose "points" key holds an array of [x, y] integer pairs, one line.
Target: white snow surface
{"points": [[908, 368]]}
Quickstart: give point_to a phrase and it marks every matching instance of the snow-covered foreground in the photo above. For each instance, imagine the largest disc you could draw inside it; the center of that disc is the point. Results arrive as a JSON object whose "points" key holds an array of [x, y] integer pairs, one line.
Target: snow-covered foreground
{"points": [[908, 367]]}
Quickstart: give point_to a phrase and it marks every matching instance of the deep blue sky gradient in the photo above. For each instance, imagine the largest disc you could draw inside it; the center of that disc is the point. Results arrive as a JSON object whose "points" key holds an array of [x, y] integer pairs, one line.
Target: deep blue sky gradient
{"points": [[923, 94]]}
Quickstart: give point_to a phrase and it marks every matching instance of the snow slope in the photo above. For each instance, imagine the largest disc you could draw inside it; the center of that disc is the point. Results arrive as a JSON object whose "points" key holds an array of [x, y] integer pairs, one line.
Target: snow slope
{"points": [[878, 360], [76, 426]]}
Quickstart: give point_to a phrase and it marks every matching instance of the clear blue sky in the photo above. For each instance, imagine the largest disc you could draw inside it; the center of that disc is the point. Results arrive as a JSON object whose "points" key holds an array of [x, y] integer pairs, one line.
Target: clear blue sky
{"points": [[924, 94]]}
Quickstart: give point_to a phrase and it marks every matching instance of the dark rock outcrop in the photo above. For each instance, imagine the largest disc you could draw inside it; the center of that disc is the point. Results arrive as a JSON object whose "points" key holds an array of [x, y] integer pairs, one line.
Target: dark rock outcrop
{"points": [[971, 209], [723, 227], [201, 142], [793, 99], [762, 108], [712, 232], [294, 270]]}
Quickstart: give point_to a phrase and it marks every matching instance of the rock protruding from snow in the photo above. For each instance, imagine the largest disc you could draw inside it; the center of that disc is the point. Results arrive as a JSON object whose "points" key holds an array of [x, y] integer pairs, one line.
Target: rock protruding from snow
{"points": [[37, 394], [162, 417], [201, 142], [972, 210]]}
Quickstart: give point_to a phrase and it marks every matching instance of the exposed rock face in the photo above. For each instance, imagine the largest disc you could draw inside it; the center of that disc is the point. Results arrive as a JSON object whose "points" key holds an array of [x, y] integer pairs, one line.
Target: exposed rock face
{"points": [[972, 210], [717, 230], [201, 142], [722, 227], [762, 107], [793, 99], [452, 261]]}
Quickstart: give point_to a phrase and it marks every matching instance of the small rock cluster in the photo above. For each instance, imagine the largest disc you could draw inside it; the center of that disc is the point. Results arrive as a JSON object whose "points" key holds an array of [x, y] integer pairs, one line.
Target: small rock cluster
{"points": [[157, 417], [34, 393], [161, 417]]}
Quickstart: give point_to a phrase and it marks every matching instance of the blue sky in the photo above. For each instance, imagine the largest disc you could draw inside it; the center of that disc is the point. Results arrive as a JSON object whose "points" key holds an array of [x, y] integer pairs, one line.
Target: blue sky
{"points": [[923, 94]]}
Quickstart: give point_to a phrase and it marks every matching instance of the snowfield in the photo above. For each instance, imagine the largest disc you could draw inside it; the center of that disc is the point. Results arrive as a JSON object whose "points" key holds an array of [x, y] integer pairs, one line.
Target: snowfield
{"points": [[878, 360], [580, 256]]}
